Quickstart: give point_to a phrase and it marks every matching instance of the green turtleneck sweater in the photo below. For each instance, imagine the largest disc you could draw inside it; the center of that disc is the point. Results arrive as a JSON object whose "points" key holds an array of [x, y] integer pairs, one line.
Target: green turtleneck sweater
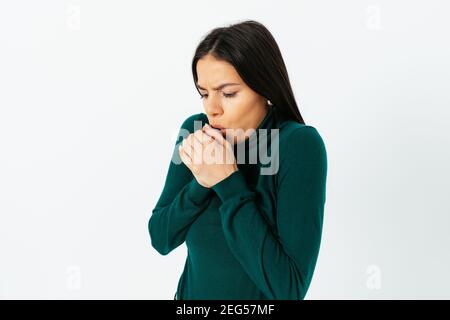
{"points": [[253, 235]]}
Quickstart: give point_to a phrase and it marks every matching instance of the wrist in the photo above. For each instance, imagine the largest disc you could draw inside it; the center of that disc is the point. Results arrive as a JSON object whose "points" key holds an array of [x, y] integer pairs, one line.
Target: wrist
{"points": [[230, 171], [202, 183]]}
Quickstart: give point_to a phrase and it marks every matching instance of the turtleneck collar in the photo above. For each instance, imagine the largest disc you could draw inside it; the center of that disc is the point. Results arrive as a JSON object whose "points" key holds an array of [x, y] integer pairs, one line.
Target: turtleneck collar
{"points": [[252, 142]]}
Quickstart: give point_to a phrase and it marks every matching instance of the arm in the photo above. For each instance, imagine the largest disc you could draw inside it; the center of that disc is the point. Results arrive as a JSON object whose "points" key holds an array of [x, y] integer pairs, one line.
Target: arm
{"points": [[280, 263], [181, 201]]}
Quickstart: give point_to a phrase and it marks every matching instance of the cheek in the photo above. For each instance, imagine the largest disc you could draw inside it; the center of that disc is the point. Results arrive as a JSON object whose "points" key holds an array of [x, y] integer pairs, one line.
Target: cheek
{"points": [[245, 108], [240, 105], [236, 110]]}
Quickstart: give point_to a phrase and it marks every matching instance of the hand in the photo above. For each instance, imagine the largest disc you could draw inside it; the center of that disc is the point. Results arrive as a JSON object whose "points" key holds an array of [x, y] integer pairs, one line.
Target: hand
{"points": [[208, 155]]}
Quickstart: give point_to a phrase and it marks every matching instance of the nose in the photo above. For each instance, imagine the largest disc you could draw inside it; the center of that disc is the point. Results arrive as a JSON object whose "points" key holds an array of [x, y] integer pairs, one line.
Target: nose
{"points": [[212, 107]]}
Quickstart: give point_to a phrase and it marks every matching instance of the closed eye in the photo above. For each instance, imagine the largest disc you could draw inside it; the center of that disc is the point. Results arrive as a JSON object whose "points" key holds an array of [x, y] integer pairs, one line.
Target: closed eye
{"points": [[226, 95], [229, 95]]}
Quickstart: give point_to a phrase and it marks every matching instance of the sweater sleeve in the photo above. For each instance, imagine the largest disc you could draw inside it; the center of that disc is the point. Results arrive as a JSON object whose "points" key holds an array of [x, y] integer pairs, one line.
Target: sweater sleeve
{"points": [[181, 201], [280, 262]]}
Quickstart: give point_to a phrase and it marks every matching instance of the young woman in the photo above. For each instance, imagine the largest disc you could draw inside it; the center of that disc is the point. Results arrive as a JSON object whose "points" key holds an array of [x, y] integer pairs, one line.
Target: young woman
{"points": [[250, 233]]}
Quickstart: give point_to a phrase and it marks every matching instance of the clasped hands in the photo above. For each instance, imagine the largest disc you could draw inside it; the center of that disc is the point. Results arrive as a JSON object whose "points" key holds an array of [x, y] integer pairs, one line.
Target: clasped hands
{"points": [[208, 155]]}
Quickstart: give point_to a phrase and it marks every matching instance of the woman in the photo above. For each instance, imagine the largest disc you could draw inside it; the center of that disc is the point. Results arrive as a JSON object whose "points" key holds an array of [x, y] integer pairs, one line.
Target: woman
{"points": [[250, 233]]}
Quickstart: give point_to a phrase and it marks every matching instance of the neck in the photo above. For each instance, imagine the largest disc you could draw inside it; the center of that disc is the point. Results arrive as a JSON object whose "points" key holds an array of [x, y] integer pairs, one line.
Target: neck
{"points": [[249, 147]]}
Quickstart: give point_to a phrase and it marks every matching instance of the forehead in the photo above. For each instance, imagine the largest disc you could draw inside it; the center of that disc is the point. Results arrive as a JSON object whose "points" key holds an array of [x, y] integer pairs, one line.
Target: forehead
{"points": [[211, 71]]}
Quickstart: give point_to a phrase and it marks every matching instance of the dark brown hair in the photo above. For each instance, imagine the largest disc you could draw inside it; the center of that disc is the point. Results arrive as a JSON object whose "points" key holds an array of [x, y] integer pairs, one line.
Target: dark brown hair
{"points": [[255, 55]]}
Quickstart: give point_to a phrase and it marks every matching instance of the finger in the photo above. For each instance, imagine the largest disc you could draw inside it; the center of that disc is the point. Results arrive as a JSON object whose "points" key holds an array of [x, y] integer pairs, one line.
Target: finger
{"points": [[211, 150], [205, 138], [184, 153], [216, 134], [187, 147], [224, 152], [188, 160], [185, 157], [192, 141], [198, 135], [197, 146], [196, 140], [219, 139]]}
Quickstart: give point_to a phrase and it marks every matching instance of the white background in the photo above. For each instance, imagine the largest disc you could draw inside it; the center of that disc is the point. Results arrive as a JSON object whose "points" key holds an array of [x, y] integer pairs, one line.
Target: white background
{"points": [[92, 94]]}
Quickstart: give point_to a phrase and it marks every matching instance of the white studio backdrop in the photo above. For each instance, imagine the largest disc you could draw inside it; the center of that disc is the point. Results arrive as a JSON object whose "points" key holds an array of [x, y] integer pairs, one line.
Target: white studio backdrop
{"points": [[92, 94]]}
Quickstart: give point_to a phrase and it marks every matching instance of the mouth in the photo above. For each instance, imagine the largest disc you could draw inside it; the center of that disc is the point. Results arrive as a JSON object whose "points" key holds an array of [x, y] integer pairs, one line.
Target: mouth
{"points": [[220, 128], [217, 126]]}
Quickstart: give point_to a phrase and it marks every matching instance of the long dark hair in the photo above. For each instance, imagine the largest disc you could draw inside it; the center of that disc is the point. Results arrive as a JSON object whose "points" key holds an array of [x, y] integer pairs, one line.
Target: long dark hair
{"points": [[254, 53]]}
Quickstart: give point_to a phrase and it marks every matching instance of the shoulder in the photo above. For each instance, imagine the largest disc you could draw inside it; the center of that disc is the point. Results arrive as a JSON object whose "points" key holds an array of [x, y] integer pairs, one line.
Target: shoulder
{"points": [[301, 143], [290, 129]]}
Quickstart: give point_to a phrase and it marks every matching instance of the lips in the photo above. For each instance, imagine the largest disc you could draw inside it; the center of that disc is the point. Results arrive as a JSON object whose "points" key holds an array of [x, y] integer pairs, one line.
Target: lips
{"points": [[216, 126], [219, 127]]}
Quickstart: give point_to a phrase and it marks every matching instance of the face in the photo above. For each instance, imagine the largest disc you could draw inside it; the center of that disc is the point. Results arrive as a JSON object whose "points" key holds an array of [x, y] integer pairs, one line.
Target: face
{"points": [[228, 102]]}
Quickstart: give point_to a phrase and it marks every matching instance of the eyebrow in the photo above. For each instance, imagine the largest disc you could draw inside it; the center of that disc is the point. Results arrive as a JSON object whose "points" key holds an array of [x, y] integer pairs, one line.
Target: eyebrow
{"points": [[221, 86]]}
